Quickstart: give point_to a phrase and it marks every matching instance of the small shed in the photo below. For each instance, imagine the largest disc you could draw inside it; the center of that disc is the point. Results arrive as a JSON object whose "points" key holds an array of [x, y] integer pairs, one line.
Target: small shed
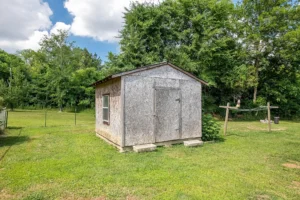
{"points": [[3, 119], [156, 104]]}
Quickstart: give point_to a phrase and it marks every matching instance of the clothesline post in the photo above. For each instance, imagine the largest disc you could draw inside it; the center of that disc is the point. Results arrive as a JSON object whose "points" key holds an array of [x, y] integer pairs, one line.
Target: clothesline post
{"points": [[268, 107], [269, 116], [226, 119]]}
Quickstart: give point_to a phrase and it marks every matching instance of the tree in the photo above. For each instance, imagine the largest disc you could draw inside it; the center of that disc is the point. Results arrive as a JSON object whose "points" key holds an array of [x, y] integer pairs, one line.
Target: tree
{"points": [[58, 52], [196, 35], [13, 80], [260, 27]]}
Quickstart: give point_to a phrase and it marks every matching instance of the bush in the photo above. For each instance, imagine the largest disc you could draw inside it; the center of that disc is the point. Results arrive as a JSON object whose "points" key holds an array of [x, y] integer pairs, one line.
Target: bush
{"points": [[1, 102], [210, 128]]}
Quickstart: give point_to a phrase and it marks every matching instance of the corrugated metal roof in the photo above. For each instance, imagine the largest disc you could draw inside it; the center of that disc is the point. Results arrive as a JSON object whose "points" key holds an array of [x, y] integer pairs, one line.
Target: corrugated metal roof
{"points": [[147, 68]]}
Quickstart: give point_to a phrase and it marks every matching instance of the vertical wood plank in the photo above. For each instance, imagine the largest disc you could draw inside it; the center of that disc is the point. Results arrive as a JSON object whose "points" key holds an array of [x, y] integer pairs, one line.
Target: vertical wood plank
{"points": [[226, 118], [269, 117], [122, 112]]}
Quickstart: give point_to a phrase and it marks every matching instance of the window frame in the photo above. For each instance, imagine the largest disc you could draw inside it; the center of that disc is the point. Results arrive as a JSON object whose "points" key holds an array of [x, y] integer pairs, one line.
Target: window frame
{"points": [[107, 122]]}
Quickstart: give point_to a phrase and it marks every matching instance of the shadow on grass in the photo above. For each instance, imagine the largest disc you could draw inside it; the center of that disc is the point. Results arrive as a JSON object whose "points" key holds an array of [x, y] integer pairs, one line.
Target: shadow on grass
{"points": [[14, 127], [12, 140], [220, 139], [234, 134], [216, 140]]}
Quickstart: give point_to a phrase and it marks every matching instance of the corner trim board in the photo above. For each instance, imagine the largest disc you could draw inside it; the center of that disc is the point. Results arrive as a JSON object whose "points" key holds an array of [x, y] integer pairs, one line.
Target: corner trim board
{"points": [[123, 111]]}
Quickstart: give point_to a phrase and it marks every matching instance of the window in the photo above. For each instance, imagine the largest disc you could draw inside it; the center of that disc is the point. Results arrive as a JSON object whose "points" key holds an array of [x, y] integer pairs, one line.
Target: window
{"points": [[105, 109]]}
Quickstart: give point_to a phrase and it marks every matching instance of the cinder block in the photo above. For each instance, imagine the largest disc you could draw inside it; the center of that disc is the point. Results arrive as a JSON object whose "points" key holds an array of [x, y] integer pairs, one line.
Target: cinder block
{"points": [[144, 148], [193, 143]]}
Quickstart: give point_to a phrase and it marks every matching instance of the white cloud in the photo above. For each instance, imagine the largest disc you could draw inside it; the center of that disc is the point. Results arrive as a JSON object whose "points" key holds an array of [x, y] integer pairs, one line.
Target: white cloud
{"points": [[24, 23], [60, 26], [99, 19], [19, 19], [32, 42]]}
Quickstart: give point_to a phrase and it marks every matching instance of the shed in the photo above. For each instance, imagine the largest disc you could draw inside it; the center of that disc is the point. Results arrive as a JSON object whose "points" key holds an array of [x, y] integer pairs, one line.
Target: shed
{"points": [[156, 104], [3, 119]]}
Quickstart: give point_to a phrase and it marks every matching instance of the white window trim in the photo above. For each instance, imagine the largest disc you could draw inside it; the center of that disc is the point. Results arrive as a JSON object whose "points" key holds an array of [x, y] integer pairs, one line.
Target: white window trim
{"points": [[108, 108]]}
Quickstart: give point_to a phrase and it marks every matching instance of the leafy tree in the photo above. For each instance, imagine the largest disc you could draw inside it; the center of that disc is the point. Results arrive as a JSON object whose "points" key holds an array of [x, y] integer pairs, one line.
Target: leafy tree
{"points": [[13, 81], [260, 28], [58, 52]]}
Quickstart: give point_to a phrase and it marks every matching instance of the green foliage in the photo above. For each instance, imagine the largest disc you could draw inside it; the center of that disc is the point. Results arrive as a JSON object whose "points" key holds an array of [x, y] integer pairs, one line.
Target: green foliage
{"points": [[247, 50], [57, 75], [210, 128], [1, 102]]}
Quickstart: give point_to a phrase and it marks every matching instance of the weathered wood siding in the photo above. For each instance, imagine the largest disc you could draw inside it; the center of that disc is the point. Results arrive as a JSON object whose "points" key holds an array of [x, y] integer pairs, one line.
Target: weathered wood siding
{"points": [[2, 119], [139, 111], [191, 109], [113, 131]]}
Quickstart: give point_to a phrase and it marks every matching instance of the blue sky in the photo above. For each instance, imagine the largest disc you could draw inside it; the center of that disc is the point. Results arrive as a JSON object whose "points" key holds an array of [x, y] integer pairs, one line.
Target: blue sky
{"points": [[92, 24], [60, 14]]}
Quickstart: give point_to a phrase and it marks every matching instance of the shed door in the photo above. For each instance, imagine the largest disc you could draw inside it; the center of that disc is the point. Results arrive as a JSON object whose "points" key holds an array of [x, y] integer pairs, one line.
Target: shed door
{"points": [[168, 115]]}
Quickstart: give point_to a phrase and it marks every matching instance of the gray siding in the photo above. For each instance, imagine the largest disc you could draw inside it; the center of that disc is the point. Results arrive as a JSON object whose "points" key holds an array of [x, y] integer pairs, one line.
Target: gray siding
{"points": [[191, 109], [2, 119], [139, 109], [113, 131], [165, 72]]}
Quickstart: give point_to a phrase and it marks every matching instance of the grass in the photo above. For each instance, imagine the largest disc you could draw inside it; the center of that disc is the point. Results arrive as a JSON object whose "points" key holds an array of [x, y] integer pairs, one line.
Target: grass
{"points": [[64, 161]]}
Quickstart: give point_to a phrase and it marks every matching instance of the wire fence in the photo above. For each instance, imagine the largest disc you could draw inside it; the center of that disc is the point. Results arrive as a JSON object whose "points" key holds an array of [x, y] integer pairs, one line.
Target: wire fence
{"points": [[48, 118]]}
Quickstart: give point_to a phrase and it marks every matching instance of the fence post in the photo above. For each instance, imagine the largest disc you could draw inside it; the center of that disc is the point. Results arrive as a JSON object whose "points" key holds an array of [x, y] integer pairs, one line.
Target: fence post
{"points": [[6, 120], [269, 117], [75, 116], [45, 118], [226, 118]]}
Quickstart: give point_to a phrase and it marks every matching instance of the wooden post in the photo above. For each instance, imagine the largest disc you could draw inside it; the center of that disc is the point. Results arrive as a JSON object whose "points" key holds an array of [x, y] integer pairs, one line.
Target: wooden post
{"points": [[45, 118], [226, 119], [6, 120], [269, 117], [75, 116]]}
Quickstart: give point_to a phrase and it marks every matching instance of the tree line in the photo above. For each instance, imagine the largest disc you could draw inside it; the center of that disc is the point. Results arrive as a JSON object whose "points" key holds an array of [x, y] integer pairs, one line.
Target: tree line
{"points": [[248, 50], [58, 75]]}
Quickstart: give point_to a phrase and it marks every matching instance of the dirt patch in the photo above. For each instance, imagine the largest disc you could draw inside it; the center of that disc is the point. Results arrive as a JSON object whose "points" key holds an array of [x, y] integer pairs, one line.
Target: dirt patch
{"points": [[296, 185], [6, 195], [265, 129], [82, 198], [99, 198], [130, 197], [263, 197], [292, 164]]}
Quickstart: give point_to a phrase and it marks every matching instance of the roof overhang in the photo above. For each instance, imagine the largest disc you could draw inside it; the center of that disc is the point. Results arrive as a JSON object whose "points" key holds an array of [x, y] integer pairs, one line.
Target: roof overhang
{"points": [[148, 67]]}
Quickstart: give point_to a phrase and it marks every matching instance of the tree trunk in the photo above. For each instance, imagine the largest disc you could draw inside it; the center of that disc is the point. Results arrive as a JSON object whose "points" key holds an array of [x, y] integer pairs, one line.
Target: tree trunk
{"points": [[254, 94]]}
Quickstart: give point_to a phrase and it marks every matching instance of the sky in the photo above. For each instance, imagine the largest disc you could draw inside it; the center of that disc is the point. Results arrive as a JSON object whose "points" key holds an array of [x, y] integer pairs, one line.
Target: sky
{"points": [[92, 24]]}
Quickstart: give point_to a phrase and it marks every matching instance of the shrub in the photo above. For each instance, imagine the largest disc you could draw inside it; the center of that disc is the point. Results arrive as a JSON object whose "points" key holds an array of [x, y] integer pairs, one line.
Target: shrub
{"points": [[210, 128], [1, 102]]}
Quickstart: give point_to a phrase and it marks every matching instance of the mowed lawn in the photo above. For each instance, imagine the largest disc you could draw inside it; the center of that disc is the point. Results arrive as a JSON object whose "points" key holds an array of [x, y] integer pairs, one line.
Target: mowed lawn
{"points": [[64, 161]]}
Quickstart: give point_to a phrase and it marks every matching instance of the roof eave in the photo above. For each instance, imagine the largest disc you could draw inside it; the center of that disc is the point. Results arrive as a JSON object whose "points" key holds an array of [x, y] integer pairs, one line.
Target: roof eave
{"points": [[148, 68]]}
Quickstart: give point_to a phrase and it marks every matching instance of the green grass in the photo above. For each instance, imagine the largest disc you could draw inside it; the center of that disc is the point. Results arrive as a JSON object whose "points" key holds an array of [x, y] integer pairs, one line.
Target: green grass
{"points": [[63, 161]]}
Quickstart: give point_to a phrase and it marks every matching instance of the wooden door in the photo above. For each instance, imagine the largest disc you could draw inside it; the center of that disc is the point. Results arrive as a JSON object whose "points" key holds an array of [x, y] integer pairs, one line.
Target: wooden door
{"points": [[167, 114]]}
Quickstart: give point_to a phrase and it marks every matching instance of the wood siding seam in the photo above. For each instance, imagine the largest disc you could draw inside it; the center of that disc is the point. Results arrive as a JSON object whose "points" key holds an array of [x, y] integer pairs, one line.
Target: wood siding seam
{"points": [[122, 112]]}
